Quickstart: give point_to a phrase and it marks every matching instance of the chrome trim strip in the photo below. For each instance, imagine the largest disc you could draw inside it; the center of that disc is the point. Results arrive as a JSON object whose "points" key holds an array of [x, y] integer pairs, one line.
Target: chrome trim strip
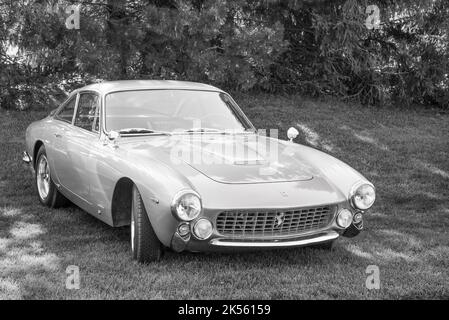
{"points": [[331, 235]]}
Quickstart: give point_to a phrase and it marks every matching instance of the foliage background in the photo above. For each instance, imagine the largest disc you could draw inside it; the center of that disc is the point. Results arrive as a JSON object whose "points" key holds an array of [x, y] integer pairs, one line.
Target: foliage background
{"points": [[294, 46]]}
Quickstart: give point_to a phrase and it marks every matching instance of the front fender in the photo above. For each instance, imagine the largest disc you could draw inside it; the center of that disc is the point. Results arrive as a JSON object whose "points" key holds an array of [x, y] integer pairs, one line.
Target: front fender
{"points": [[336, 172], [158, 183]]}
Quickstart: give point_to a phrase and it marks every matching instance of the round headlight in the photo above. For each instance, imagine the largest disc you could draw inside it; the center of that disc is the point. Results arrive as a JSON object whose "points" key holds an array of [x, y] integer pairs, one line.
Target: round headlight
{"points": [[344, 218], [363, 197], [186, 206], [202, 229]]}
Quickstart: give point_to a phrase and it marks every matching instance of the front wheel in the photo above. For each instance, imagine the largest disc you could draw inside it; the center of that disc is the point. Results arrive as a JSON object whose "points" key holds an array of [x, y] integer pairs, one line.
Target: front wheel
{"points": [[145, 245], [46, 189]]}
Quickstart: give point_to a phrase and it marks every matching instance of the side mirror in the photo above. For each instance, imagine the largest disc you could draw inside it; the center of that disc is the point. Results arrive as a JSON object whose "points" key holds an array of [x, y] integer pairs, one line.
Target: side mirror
{"points": [[112, 135], [292, 133]]}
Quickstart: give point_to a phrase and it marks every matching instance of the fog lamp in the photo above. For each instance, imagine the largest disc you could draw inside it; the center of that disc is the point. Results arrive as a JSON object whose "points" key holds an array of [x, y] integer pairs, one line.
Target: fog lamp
{"points": [[183, 229], [357, 218], [344, 218], [202, 229]]}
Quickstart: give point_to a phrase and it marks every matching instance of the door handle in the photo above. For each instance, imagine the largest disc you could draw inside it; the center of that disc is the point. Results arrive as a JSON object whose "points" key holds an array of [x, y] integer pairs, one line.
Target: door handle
{"points": [[57, 135]]}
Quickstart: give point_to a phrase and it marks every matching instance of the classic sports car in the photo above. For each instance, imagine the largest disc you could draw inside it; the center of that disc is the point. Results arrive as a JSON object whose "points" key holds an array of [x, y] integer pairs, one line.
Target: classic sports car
{"points": [[184, 167]]}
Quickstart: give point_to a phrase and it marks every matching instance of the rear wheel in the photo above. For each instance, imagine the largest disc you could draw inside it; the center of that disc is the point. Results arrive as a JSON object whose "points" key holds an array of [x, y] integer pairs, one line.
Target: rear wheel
{"points": [[46, 189], [145, 245]]}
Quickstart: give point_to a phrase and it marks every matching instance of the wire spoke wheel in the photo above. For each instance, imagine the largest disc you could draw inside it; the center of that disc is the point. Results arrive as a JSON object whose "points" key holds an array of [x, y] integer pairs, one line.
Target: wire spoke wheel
{"points": [[43, 177], [47, 191]]}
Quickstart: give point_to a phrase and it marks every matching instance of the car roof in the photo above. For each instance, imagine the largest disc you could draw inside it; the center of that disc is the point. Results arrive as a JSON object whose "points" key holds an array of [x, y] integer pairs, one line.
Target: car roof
{"points": [[126, 85]]}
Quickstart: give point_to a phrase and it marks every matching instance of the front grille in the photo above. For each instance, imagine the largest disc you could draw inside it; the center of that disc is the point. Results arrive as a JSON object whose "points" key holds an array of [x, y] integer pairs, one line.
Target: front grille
{"points": [[253, 224]]}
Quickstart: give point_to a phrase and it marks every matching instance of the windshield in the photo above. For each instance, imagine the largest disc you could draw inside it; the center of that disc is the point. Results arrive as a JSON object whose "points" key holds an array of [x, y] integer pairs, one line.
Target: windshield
{"points": [[150, 111]]}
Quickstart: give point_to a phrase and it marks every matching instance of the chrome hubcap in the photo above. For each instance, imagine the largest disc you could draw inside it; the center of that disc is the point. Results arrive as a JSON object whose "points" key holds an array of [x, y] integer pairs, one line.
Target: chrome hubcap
{"points": [[43, 177]]}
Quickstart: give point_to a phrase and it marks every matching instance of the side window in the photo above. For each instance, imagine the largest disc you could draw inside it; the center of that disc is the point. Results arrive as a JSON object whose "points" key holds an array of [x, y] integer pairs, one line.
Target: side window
{"points": [[66, 112], [87, 112]]}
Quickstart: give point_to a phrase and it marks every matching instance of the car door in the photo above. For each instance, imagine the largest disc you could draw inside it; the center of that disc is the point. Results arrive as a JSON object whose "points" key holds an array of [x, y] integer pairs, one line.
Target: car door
{"points": [[58, 155], [102, 172], [82, 138]]}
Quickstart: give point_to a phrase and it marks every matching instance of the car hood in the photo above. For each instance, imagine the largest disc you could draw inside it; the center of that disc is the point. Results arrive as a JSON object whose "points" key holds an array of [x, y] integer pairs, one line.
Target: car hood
{"points": [[233, 159]]}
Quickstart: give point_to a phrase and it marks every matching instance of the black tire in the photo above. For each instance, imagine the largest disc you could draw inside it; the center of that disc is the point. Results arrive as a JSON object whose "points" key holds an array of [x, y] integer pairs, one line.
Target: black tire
{"points": [[328, 245], [53, 198], [145, 245]]}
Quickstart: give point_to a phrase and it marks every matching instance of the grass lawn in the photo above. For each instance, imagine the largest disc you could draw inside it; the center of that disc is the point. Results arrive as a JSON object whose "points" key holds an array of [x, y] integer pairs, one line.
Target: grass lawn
{"points": [[405, 153]]}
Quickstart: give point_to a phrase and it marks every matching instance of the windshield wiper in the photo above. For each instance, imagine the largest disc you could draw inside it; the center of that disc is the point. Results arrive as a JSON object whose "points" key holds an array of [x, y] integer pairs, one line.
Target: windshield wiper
{"points": [[140, 130], [201, 130]]}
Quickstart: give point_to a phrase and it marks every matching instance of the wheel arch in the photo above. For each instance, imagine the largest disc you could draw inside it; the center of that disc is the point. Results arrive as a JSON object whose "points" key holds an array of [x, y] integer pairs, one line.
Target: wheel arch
{"points": [[161, 219], [121, 202], [37, 145]]}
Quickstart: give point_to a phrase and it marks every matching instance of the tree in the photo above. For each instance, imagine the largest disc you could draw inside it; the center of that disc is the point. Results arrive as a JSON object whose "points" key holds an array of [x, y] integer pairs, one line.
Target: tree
{"points": [[312, 47]]}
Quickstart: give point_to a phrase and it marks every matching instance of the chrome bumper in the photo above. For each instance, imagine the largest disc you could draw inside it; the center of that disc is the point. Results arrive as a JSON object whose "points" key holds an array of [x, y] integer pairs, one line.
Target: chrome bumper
{"points": [[25, 157], [303, 241]]}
